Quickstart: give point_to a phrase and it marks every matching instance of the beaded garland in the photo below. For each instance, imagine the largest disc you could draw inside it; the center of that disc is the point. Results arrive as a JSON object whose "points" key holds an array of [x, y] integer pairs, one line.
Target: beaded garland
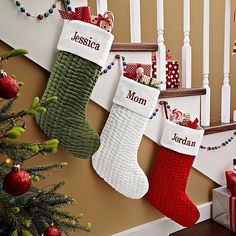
{"points": [[109, 67], [157, 109], [211, 148], [44, 15]]}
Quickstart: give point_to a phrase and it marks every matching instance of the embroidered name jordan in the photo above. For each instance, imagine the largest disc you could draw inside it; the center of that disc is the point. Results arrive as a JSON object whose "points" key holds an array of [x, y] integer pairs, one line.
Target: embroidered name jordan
{"points": [[184, 141], [85, 41], [133, 97]]}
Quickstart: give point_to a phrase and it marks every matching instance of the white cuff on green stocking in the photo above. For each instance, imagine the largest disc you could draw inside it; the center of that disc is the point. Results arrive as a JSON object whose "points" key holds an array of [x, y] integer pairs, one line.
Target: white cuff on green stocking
{"points": [[116, 159], [86, 40]]}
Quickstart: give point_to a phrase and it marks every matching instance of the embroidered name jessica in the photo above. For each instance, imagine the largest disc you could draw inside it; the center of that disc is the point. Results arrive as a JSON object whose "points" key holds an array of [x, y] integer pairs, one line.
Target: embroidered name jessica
{"points": [[184, 141], [85, 41], [133, 97]]}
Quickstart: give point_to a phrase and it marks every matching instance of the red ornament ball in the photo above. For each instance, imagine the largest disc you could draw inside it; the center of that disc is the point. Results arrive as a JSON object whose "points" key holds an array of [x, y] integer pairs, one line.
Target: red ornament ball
{"points": [[17, 182], [52, 231], [9, 87]]}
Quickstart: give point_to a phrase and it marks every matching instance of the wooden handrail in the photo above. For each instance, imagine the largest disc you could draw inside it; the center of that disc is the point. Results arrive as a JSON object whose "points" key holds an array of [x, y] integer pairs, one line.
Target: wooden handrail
{"points": [[134, 47], [217, 127], [182, 92]]}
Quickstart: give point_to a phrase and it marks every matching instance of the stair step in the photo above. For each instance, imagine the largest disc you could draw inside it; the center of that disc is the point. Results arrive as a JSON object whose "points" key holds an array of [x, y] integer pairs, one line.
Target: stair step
{"points": [[205, 228], [134, 47], [217, 127]]}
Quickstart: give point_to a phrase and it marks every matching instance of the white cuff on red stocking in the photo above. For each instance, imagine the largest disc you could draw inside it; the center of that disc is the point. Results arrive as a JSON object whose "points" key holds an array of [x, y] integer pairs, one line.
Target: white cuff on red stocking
{"points": [[181, 139], [116, 159], [86, 40]]}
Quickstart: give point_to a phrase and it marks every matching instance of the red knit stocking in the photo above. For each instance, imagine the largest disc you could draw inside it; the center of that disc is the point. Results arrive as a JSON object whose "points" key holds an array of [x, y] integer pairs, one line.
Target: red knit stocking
{"points": [[167, 192]]}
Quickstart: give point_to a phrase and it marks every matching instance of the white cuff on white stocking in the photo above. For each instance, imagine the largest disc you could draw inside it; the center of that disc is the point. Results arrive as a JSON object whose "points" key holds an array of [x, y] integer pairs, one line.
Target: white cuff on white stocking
{"points": [[116, 159], [136, 97], [181, 139], [86, 40]]}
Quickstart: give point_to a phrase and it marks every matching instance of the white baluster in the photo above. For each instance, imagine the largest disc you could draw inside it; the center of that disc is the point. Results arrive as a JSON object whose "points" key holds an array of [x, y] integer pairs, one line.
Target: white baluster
{"points": [[101, 6], [186, 49], [234, 116], [206, 99], [135, 22], [161, 53], [225, 99]]}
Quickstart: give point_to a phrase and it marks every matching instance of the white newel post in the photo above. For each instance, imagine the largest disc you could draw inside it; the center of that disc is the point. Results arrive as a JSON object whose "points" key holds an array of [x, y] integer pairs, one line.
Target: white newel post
{"points": [[186, 49], [135, 21], [225, 99], [206, 99], [161, 53], [101, 6]]}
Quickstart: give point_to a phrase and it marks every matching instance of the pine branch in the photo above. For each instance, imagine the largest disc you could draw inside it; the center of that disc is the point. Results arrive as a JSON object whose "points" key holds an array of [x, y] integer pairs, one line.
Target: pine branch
{"points": [[37, 169], [52, 199], [8, 106], [33, 230], [40, 223], [16, 151], [68, 226], [44, 168], [60, 214], [6, 117]]}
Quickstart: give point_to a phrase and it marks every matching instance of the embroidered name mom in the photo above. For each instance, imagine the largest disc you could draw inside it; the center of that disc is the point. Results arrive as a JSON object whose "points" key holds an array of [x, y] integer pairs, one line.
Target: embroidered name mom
{"points": [[184, 141], [85, 41], [133, 97]]}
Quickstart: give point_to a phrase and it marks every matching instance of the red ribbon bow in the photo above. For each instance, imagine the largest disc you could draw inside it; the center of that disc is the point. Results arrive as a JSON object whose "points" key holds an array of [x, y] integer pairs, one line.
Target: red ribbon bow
{"points": [[80, 13], [99, 18], [130, 75]]}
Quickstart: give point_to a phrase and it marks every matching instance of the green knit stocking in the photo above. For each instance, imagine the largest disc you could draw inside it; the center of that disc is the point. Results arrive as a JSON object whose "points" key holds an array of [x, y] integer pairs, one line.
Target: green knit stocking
{"points": [[72, 81]]}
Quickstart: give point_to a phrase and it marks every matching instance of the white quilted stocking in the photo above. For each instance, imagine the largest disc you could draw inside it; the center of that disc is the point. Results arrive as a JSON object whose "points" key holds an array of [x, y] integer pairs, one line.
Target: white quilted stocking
{"points": [[116, 159]]}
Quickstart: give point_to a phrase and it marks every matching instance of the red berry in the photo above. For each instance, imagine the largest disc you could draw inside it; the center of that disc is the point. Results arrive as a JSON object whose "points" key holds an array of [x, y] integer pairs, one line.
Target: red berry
{"points": [[8, 87]]}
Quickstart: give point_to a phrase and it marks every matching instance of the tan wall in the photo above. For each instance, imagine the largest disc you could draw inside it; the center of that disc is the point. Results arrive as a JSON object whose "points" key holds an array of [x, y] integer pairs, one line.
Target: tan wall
{"points": [[109, 211]]}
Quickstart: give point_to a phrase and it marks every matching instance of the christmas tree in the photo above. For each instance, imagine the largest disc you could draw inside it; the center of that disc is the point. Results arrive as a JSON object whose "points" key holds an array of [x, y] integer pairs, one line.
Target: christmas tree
{"points": [[26, 210]]}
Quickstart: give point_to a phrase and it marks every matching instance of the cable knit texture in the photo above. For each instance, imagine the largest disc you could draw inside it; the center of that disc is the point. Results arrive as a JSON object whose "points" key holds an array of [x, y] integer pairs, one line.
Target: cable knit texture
{"points": [[72, 81], [116, 159], [168, 182]]}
